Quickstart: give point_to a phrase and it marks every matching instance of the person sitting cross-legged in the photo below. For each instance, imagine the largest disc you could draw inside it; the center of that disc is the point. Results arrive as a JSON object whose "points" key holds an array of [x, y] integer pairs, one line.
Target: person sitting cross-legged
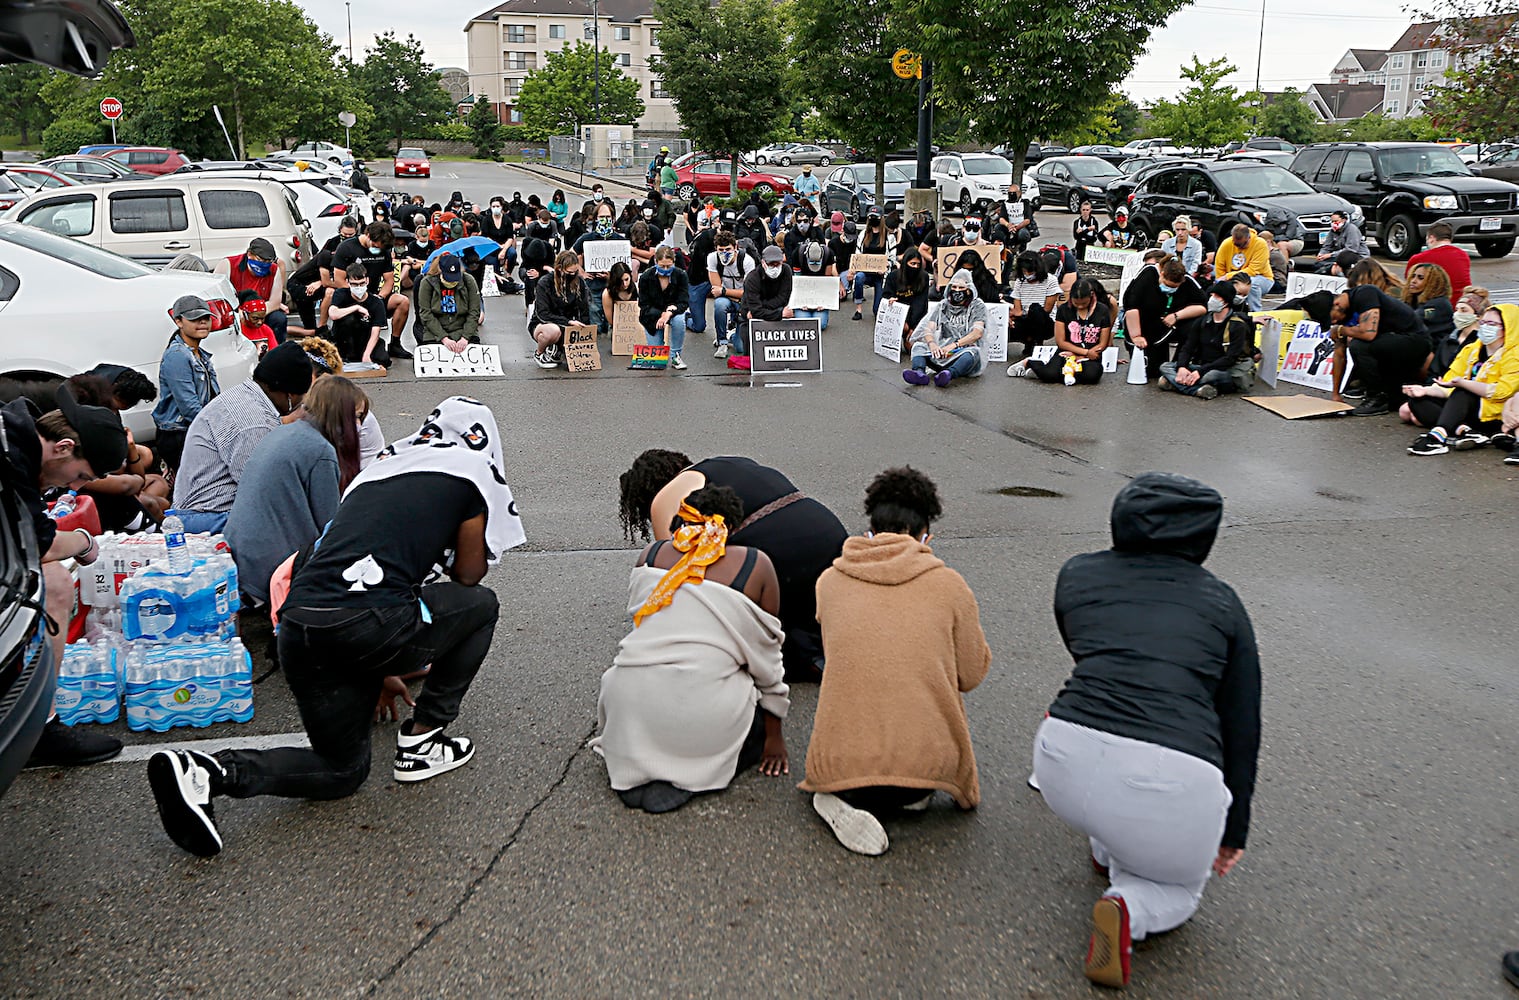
{"points": [[1217, 355], [1464, 409], [949, 337]]}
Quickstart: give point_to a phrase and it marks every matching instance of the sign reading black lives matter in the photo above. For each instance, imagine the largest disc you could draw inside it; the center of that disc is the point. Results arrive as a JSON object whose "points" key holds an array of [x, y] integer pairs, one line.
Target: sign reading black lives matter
{"points": [[785, 345]]}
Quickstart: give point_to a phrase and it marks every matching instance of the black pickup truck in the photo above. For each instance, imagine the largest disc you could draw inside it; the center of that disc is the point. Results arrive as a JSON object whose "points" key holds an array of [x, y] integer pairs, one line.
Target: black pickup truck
{"points": [[1403, 188]]}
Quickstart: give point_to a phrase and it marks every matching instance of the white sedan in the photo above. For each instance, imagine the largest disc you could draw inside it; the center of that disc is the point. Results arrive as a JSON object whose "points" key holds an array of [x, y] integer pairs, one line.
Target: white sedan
{"points": [[66, 306], [324, 151]]}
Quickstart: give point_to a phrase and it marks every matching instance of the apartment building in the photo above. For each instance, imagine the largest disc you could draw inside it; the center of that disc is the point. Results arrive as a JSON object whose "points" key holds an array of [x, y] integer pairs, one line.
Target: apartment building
{"points": [[1405, 73], [510, 40]]}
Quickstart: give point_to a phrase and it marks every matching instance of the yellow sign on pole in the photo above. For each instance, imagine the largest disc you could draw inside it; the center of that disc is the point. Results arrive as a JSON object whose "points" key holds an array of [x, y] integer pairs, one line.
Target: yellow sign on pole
{"points": [[907, 64]]}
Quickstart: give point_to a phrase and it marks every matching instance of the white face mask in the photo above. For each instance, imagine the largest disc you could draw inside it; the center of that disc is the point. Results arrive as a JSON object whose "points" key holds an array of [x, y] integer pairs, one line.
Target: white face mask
{"points": [[1489, 332], [359, 291], [1216, 305], [772, 270], [803, 226], [1464, 320]]}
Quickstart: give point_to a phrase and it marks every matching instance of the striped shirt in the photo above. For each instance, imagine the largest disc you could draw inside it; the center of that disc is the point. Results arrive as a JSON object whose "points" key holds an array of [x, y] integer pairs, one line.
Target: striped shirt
{"points": [[221, 440]]}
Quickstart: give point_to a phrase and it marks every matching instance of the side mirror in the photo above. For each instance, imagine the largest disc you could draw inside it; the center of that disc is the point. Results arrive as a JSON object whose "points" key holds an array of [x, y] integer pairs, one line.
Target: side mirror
{"points": [[1365, 176], [1203, 198]]}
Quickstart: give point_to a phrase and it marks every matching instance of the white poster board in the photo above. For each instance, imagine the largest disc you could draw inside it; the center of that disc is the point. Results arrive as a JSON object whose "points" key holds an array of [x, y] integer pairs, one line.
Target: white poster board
{"points": [[600, 255], [1300, 283], [1130, 261], [1043, 353], [810, 292], [1310, 358], [1110, 359], [1270, 342], [437, 361], [890, 319], [994, 344]]}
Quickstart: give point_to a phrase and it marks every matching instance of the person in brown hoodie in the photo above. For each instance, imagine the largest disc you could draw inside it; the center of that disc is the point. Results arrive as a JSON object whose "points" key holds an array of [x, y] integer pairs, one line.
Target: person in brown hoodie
{"points": [[902, 638]]}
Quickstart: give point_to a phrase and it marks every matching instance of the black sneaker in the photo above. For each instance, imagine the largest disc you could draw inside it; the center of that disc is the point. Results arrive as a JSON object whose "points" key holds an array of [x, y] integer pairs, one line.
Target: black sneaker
{"points": [[1468, 440], [1503, 441], [1428, 444], [1372, 406], [397, 351], [183, 782], [1511, 967], [427, 755], [1354, 391], [1512, 458], [65, 746]]}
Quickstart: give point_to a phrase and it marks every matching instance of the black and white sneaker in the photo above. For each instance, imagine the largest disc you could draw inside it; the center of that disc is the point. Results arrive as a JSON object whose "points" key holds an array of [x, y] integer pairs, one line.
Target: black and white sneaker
{"points": [[427, 755], [1468, 440], [543, 359], [1428, 444], [182, 783]]}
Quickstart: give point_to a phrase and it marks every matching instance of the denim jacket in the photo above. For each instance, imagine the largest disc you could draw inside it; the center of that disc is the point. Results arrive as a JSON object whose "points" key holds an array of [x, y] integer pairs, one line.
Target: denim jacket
{"points": [[186, 382]]}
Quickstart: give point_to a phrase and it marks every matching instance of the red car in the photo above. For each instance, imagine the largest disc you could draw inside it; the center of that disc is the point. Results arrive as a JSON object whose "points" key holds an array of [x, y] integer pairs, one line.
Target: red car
{"points": [[153, 160], [412, 162], [36, 178], [711, 177]]}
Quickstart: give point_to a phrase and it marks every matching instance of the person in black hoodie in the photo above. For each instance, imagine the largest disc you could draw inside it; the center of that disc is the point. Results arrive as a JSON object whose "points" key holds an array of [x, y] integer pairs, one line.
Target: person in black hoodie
{"points": [[497, 226], [1150, 748], [1218, 354], [538, 248], [751, 228], [767, 294], [910, 283], [517, 208], [561, 299]]}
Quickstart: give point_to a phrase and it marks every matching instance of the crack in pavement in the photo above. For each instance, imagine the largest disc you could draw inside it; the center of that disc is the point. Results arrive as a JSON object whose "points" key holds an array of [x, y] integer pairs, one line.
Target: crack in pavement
{"points": [[474, 885]]}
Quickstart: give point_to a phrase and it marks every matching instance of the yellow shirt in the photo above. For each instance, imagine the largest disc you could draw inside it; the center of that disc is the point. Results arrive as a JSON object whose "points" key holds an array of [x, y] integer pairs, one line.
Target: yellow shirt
{"points": [[1254, 259], [1501, 372]]}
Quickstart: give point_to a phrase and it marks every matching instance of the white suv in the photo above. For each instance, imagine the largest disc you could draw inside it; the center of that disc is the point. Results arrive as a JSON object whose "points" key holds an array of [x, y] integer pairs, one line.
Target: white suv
{"points": [[317, 151], [968, 182]]}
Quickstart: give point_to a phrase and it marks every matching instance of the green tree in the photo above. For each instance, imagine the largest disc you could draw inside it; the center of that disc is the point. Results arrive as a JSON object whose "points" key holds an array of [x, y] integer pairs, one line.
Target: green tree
{"points": [[849, 79], [1288, 116], [485, 129], [405, 93], [726, 69], [560, 96], [21, 114], [1126, 116], [1205, 114], [1479, 98], [1024, 70]]}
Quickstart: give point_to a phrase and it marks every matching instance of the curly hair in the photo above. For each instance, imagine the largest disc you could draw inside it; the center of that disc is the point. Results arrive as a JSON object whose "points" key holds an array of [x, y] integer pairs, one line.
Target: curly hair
{"points": [[711, 500], [1436, 285], [132, 387], [649, 474], [325, 352], [902, 500]]}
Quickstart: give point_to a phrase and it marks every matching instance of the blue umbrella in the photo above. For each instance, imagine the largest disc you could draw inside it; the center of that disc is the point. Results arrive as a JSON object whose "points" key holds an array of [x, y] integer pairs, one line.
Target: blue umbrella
{"points": [[457, 247]]}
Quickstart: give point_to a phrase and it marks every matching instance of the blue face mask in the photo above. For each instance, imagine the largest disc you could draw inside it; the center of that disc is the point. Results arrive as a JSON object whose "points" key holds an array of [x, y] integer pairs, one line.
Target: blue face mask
{"points": [[664, 270], [603, 226], [262, 268]]}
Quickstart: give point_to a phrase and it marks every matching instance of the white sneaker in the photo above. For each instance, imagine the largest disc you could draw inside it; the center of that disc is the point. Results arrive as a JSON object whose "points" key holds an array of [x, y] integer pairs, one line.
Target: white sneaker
{"points": [[427, 755], [543, 359], [856, 829], [1020, 369], [921, 805], [677, 362]]}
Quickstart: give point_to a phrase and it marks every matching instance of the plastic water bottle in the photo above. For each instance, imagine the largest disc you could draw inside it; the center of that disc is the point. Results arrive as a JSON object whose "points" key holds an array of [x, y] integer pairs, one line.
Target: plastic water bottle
{"points": [[174, 540], [88, 687], [64, 505]]}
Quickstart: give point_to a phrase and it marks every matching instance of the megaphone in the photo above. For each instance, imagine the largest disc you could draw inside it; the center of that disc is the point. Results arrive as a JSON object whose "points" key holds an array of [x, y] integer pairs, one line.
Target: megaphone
{"points": [[1137, 373]]}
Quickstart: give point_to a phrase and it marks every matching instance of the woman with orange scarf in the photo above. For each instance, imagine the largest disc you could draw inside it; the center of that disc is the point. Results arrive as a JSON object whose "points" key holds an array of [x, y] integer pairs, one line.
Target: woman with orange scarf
{"points": [[696, 693]]}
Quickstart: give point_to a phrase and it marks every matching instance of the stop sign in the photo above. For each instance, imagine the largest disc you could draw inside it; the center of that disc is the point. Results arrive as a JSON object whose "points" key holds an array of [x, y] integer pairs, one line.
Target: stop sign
{"points": [[111, 108]]}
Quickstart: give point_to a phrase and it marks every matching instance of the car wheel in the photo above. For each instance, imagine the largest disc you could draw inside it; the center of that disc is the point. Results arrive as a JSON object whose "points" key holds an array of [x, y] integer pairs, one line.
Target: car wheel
{"points": [[854, 210], [966, 205], [1074, 203], [1400, 237], [824, 162], [1495, 248], [686, 192], [761, 160], [785, 161], [335, 159], [764, 189]]}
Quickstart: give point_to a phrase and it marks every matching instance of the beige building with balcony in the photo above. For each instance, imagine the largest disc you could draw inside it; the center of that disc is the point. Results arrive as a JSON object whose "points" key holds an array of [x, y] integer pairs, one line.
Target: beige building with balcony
{"points": [[510, 40]]}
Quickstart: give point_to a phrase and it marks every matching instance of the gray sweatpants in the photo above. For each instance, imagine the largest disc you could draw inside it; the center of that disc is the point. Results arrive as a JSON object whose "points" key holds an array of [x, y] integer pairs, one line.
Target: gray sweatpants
{"points": [[1154, 816]]}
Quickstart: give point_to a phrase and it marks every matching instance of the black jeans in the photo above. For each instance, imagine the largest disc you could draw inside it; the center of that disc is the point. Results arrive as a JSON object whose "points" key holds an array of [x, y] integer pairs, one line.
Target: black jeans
{"points": [[1053, 370], [884, 798], [1389, 362], [336, 662], [1031, 329], [350, 336], [1458, 409]]}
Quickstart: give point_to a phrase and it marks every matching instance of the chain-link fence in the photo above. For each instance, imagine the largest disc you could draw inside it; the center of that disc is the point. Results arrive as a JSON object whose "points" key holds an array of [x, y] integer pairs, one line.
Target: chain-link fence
{"points": [[620, 157]]}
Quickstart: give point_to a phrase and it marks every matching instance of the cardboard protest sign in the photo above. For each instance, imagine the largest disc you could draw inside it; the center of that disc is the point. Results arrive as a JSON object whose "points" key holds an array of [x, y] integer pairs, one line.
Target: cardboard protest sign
{"points": [[1300, 283], [994, 343], [600, 255], [1043, 352], [814, 292], [646, 356], [580, 350], [1299, 406], [785, 345], [626, 330], [890, 319], [437, 361], [947, 260], [870, 263], [1310, 358]]}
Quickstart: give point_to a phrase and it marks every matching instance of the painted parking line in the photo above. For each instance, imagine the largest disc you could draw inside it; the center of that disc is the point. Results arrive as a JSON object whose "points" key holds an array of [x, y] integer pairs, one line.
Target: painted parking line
{"points": [[142, 751]]}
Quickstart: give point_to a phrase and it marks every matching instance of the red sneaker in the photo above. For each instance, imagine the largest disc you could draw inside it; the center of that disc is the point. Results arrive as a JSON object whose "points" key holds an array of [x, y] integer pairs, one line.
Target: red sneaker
{"points": [[1109, 950]]}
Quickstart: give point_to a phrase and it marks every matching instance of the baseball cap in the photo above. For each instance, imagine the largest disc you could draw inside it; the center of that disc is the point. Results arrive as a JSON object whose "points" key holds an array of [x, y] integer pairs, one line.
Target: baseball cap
{"points": [[836, 222], [772, 254], [972, 222], [189, 307], [261, 248], [1120, 211], [449, 267], [1223, 289], [102, 439]]}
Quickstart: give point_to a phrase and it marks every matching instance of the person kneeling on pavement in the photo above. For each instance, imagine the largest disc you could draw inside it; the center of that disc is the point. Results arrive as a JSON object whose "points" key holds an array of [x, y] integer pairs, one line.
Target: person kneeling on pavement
{"points": [[1464, 409], [1218, 354], [560, 299], [448, 302], [364, 606], [949, 337], [903, 638]]}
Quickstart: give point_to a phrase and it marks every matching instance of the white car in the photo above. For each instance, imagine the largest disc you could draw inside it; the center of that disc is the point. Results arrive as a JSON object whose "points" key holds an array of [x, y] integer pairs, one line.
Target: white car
{"points": [[323, 204], [66, 306], [769, 154], [968, 182], [324, 151]]}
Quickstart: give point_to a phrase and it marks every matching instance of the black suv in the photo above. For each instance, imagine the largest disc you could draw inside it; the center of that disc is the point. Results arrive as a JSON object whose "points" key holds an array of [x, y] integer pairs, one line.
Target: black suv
{"points": [[1220, 194], [26, 658], [1403, 188]]}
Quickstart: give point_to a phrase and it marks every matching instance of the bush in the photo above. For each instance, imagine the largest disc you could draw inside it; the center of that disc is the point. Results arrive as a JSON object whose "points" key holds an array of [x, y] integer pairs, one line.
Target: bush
{"points": [[738, 201], [453, 131], [67, 135]]}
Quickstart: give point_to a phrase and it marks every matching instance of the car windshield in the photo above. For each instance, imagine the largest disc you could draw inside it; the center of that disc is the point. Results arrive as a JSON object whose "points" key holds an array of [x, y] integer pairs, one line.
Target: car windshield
{"points": [[102, 262], [1423, 161], [988, 165], [1260, 181], [410, 154], [1095, 170]]}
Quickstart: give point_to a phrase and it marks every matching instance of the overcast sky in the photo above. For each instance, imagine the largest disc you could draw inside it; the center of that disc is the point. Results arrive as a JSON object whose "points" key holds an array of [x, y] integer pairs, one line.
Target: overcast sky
{"points": [[1302, 42]]}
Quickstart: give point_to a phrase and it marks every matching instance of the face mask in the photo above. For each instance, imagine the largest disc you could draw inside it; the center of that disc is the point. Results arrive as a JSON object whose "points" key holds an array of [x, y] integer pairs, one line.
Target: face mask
{"points": [[1168, 289], [648, 213], [772, 270], [1337, 226], [423, 240], [959, 297], [373, 250], [1465, 321], [1489, 332], [262, 268], [913, 267], [596, 195], [1012, 198], [847, 239], [807, 171], [603, 226], [359, 291], [449, 284], [664, 270], [971, 235], [803, 226], [496, 209], [1216, 305], [726, 256]]}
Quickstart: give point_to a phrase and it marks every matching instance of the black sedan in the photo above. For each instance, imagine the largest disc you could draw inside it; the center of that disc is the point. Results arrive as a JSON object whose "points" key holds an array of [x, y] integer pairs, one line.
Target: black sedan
{"points": [[1071, 180], [1112, 154], [851, 189]]}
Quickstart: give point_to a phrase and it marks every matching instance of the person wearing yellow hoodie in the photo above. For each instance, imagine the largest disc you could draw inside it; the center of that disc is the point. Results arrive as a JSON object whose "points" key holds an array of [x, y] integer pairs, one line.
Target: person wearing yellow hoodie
{"points": [[1464, 410], [903, 640], [1247, 252]]}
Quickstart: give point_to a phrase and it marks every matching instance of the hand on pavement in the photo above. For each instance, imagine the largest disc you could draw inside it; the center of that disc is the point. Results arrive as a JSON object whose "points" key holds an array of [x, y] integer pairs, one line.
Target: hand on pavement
{"points": [[775, 762], [1227, 858]]}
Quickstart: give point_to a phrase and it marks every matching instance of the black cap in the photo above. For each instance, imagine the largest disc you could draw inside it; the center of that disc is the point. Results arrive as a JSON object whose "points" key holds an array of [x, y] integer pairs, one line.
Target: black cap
{"points": [[102, 440], [1347, 259], [261, 248], [1224, 290], [285, 369], [449, 267]]}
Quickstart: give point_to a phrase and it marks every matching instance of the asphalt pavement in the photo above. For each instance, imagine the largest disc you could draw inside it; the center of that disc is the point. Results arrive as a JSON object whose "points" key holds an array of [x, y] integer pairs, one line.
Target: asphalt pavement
{"points": [[1380, 860]]}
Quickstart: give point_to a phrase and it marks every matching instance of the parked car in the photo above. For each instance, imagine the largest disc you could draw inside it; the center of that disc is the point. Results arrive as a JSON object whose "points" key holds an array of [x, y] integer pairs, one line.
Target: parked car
{"points": [[412, 162], [153, 160], [1405, 187], [704, 154], [155, 221], [1118, 190], [88, 169], [99, 149], [323, 205], [768, 154], [326, 151], [1220, 194], [1472, 152], [803, 153], [969, 181], [710, 177], [26, 657], [1262, 156], [1070, 180], [11, 193], [1112, 154], [1037, 153], [1503, 165], [35, 178], [852, 189], [118, 313], [1151, 147]]}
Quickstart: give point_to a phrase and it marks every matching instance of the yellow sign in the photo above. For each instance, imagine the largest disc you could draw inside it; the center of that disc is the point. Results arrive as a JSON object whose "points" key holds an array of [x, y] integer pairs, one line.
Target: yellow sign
{"points": [[906, 64]]}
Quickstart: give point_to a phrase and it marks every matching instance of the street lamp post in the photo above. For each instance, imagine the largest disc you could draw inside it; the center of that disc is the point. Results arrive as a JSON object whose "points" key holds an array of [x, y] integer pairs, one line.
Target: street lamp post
{"points": [[1260, 48], [348, 4], [596, 29]]}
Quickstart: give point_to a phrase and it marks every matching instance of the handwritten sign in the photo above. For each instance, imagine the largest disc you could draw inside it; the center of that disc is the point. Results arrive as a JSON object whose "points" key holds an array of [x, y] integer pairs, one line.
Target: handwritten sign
{"points": [[947, 260], [437, 361], [580, 351], [647, 356], [1310, 358], [1300, 283], [600, 255], [890, 319], [994, 342], [814, 292], [1130, 262], [870, 263], [786, 345], [626, 330], [1110, 359]]}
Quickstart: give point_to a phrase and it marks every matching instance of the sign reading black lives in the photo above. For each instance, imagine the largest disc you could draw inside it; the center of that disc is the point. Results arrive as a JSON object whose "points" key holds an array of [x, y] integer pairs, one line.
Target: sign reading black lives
{"points": [[785, 345]]}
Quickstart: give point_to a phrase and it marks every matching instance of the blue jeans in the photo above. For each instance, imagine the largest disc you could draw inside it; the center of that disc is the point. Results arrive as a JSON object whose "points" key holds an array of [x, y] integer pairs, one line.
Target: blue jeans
{"points": [[1258, 286], [594, 287], [676, 329], [726, 312], [876, 281], [697, 318], [197, 521], [1220, 380], [962, 367], [817, 314]]}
